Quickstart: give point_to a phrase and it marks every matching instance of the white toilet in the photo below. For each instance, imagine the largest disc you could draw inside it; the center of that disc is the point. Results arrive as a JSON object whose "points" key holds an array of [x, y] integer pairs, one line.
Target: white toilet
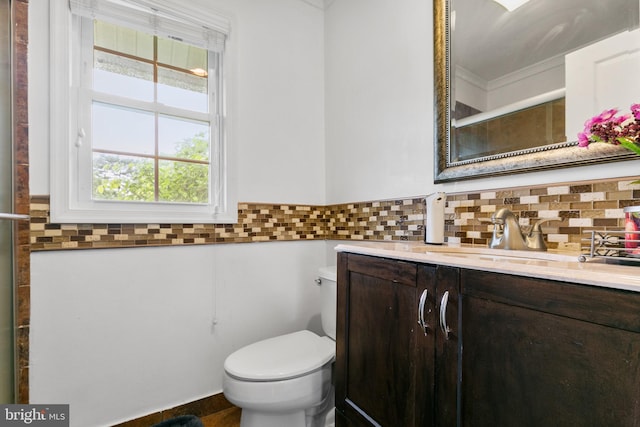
{"points": [[286, 381]]}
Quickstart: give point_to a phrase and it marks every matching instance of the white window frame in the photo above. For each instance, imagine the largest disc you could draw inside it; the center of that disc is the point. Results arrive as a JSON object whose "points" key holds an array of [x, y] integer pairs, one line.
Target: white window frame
{"points": [[71, 201]]}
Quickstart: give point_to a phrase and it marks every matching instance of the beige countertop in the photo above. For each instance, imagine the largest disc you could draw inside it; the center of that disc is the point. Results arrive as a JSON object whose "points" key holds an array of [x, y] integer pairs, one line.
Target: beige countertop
{"points": [[561, 266]]}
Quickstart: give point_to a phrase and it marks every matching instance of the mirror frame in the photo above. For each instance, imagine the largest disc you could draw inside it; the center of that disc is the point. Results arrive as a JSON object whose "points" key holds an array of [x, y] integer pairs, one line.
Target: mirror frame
{"points": [[565, 154]]}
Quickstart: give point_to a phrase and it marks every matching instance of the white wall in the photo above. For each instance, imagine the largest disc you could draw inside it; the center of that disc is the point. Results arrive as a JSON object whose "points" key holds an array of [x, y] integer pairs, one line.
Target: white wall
{"points": [[379, 112], [470, 89], [118, 334], [597, 72], [379, 96], [532, 81], [279, 116]]}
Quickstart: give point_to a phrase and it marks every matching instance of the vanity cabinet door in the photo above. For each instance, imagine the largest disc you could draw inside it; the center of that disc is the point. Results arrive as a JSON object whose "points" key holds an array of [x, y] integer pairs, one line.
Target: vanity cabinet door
{"points": [[542, 353], [384, 360], [447, 347]]}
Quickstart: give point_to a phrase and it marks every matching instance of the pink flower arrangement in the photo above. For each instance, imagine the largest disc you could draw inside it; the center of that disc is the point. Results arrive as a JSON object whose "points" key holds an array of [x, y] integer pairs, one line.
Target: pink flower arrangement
{"points": [[606, 127]]}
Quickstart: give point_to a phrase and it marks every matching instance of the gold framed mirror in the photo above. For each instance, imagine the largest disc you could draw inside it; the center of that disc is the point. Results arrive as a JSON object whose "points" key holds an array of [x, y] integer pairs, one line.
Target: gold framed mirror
{"points": [[511, 90]]}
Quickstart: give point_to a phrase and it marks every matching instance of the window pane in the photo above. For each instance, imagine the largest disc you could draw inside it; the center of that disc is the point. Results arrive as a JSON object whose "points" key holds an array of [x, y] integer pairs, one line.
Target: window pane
{"points": [[182, 90], [181, 55], [142, 155], [185, 139], [123, 129], [124, 40], [183, 182], [123, 178], [122, 76]]}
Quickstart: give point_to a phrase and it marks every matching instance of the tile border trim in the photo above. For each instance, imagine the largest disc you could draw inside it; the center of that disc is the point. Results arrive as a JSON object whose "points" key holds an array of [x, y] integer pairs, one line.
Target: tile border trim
{"points": [[581, 206]]}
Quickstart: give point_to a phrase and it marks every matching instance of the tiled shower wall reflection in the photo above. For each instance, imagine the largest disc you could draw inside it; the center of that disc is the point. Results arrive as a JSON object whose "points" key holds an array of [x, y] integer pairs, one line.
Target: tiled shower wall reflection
{"points": [[580, 206]]}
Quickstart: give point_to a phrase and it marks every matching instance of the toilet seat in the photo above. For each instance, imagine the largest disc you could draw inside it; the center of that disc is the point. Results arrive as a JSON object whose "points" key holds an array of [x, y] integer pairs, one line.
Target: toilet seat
{"points": [[283, 357]]}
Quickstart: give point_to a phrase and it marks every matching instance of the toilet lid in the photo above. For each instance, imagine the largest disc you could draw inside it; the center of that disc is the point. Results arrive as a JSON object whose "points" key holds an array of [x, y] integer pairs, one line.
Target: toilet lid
{"points": [[282, 357]]}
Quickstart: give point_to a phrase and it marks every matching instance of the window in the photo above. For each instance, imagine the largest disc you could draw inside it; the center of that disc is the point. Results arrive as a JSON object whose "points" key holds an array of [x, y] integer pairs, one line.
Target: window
{"points": [[143, 137]]}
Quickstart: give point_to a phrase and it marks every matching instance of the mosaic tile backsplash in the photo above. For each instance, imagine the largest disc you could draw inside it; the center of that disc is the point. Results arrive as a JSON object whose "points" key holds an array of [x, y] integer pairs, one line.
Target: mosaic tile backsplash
{"points": [[580, 206]]}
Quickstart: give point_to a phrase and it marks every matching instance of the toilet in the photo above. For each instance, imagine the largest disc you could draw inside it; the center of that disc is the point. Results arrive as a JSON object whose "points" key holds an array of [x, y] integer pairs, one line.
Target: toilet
{"points": [[286, 380]]}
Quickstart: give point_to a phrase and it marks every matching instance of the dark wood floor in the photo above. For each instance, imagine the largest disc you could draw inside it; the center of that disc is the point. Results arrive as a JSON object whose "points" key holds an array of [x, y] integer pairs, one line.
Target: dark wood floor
{"points": [[227, 418]]}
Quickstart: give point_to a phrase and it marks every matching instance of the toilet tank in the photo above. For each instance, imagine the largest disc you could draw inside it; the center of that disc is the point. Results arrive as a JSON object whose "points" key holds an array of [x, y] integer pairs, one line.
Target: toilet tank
{"points": [[328, 294]]}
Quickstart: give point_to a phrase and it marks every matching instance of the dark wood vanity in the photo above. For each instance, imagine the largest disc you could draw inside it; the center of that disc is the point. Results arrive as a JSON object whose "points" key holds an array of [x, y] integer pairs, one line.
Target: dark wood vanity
{"points": [[498, 349]]}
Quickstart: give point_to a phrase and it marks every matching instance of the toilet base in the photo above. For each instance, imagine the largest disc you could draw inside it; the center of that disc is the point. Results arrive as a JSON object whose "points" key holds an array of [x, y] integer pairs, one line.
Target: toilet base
{"points": [[299, 419], [319, 416]]}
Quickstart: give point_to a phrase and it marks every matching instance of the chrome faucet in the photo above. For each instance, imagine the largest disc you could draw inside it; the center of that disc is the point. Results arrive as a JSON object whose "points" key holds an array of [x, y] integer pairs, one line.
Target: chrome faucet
{"points": [[508, 235]]}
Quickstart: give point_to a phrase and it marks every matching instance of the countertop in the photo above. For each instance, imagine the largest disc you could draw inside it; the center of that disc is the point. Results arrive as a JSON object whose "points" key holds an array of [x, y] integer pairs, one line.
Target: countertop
{"points": [[560, 266]]}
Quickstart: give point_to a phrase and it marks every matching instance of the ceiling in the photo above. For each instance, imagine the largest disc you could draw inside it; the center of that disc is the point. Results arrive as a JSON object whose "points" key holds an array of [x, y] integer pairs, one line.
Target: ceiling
{"points": [[490, 42]]}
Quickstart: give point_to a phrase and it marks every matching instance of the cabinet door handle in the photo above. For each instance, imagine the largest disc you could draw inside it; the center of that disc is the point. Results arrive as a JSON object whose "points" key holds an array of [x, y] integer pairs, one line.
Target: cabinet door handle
{"points": [[421, 322], [443, 315]]}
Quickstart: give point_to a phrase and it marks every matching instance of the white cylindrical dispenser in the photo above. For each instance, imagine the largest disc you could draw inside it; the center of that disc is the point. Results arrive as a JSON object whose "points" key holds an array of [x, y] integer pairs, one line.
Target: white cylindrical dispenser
{"points": [[434, 220]]}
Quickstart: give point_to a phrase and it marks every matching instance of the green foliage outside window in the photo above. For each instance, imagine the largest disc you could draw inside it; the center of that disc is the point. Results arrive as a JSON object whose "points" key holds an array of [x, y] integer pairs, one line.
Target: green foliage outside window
{"points": [[130, 178]]}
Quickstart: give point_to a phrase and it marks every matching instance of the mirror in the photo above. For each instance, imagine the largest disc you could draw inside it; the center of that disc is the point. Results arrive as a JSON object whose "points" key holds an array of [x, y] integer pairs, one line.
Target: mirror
{"points": [[513, 88]]}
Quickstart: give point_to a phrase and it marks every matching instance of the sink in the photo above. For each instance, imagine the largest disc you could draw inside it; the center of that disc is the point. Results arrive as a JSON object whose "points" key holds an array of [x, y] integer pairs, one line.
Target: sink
{"points": [[488, 254]]}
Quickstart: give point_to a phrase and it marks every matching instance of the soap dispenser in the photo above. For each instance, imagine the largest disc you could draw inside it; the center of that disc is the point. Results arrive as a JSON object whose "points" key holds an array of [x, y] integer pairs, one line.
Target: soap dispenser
{"points": [[434, 219]]}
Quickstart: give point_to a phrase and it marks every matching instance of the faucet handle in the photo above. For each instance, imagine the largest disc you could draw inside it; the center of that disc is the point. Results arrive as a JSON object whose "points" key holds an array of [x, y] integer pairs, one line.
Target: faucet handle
{"points": [[497, 220], [536, 227], [535, 239]]}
